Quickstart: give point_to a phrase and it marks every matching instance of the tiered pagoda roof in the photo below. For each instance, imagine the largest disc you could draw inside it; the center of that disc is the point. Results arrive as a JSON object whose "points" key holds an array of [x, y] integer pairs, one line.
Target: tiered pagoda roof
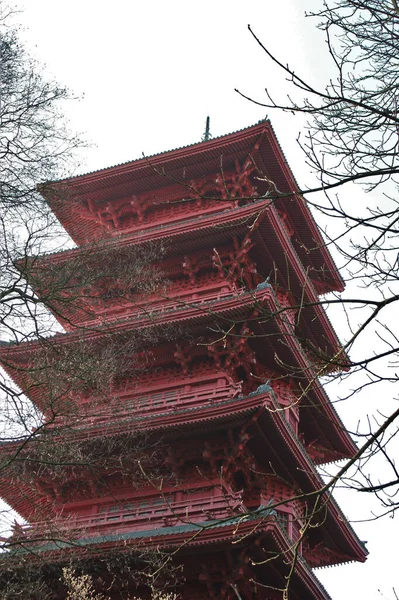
{"points": [[234, 391]]}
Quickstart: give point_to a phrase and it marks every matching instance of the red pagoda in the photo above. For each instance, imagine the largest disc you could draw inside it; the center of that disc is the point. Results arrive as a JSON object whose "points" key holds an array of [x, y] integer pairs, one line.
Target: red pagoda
{"points": [[225, 395]]}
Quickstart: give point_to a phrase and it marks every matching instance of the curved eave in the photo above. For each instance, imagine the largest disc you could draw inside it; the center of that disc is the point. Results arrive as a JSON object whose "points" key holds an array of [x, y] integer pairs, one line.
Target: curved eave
{"points": [[25, 500], [322, 411], [311, 481], [305, 226], [303, 287]]}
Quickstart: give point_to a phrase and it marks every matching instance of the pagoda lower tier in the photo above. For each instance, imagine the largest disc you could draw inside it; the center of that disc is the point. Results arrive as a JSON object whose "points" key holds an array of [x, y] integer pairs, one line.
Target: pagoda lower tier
{"points": [[198, 440], [229, 472], [216, 562]]}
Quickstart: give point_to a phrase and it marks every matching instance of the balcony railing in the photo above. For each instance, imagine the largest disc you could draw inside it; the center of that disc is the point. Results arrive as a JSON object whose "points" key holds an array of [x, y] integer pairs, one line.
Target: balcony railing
{"points": [[163, 401], [136, 516], [157, 305]]}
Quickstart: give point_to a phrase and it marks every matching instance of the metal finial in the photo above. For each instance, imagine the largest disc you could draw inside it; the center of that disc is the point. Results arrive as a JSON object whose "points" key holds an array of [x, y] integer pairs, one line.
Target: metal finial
{"points": [[207, 135]]}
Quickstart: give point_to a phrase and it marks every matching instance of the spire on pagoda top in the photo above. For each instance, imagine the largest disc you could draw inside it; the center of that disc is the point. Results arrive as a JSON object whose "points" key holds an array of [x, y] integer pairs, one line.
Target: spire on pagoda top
{"points": [[207, 134]]}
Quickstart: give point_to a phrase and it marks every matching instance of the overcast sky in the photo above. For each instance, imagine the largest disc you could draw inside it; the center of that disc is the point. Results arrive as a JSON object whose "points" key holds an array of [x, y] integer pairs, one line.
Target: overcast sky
{"points": [[147, 75]]}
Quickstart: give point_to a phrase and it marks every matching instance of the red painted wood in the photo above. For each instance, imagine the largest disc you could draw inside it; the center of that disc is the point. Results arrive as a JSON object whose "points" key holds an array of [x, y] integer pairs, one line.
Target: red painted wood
{"points": [[231, 446]]}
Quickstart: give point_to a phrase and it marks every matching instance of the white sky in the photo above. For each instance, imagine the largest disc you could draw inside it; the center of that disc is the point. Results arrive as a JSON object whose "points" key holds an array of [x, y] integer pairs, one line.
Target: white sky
{"points": [[148, 74]]}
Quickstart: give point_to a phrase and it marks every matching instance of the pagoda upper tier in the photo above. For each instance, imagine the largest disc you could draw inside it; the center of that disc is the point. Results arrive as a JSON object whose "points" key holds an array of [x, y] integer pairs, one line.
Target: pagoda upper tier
{"points": [[182, 189]]}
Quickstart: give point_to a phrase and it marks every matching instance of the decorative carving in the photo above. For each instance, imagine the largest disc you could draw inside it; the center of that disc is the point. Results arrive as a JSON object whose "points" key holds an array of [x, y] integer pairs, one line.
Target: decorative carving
{"points": [[286, 221], [232, 352], [168, 205], [285, 300], [183, 358], [222, 580], [233, 186], [237, 266], [190, 269]]}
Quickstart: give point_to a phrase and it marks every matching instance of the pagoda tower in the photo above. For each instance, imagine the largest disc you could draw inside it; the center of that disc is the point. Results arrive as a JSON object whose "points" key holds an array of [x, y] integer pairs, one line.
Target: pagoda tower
{"points": [[216, 405]]}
